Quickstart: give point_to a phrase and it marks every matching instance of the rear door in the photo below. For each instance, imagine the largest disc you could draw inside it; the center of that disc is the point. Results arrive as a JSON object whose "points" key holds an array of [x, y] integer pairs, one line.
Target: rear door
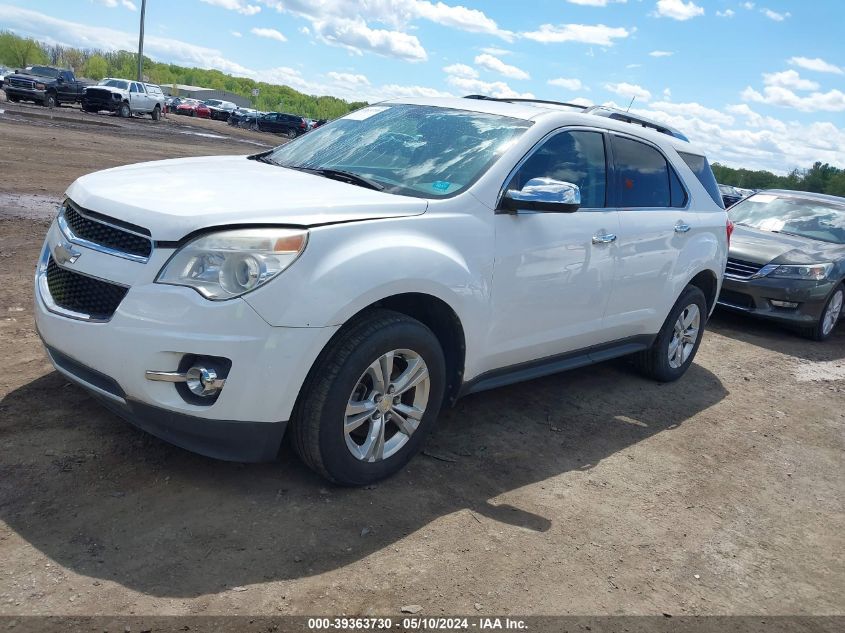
{"points": [[654, 224]]}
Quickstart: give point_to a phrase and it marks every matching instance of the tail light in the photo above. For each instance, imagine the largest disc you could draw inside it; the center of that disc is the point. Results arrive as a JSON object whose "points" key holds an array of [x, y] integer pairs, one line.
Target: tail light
{"points": [[729, 230], [302, 125]]}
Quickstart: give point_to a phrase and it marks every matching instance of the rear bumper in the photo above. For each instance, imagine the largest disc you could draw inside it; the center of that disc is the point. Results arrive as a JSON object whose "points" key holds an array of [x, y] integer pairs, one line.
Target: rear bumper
{"points": [[755, 297]]}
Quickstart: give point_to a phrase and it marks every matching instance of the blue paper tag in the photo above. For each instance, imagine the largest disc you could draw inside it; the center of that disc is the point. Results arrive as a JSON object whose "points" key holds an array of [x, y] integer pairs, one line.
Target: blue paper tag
{"points": [[441, 185]]}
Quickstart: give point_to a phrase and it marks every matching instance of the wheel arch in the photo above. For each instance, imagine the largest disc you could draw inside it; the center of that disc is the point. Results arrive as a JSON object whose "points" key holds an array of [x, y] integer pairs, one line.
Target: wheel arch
{"points": [[708, 283]]}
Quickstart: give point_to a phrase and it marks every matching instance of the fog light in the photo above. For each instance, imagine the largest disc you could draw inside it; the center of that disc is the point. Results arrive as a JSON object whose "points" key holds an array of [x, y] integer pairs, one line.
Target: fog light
{"points": [[784, 304], [202, 381]]}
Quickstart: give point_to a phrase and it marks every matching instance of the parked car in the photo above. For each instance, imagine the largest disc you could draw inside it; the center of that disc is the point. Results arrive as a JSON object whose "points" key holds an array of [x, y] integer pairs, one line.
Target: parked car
{"points": [[787, 260], [289, 125], [46, 85], [124, 97], [220, 110], [4, 70], [239, 115], [346, 285], [192, 107], [730, 195], [172, 103]]}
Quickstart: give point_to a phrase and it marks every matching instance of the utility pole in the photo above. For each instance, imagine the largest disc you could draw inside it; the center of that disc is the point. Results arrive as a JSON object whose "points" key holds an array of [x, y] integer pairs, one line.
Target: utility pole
{"points": [[141, 43]]}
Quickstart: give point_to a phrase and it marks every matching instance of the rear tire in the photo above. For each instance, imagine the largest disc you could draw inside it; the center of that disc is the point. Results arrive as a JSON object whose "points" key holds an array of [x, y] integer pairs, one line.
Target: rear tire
{"points": [[291, 134], [831, 314], [676, 344], [327, 429]]}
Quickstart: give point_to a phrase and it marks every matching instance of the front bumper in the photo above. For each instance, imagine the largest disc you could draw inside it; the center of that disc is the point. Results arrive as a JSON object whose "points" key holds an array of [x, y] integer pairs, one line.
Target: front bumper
{"points": [[112, 105], [24, 94], [153, 328], [755, 296]]}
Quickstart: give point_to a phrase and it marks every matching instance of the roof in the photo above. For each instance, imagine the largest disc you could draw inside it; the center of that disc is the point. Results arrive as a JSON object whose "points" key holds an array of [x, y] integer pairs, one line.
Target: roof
{"points": [[809, 195], [566, 114]]}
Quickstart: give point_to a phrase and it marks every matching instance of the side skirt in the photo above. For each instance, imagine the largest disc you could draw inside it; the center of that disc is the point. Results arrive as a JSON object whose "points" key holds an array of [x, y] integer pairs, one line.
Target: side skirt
{"points": [[554, 364]]}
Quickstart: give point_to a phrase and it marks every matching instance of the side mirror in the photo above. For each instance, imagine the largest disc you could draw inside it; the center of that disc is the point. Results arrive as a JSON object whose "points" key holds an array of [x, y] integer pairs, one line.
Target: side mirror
{"points": [[543, 194]]}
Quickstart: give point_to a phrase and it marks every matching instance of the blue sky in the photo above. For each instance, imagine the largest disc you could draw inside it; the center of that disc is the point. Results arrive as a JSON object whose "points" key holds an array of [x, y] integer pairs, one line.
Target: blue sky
{"points": [[758, 84]]}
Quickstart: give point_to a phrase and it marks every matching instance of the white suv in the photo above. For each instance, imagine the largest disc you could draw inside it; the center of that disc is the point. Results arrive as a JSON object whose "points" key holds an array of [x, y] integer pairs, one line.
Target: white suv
{"points": [[347, 284]]}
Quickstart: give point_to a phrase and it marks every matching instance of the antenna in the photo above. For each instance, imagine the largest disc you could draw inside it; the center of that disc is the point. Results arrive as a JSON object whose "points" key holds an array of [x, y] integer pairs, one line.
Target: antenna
{"points": [[628, 109]]}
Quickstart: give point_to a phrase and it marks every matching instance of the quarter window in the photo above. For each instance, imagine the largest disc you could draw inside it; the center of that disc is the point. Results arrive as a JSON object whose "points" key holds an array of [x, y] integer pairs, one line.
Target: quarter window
{"points": [[576, 157]]}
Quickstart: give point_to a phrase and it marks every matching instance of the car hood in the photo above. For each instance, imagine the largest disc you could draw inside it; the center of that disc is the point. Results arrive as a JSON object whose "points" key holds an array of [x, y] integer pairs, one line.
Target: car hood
{"points": [[39, 78], [763, 247], [109, 89], [173, 198]]}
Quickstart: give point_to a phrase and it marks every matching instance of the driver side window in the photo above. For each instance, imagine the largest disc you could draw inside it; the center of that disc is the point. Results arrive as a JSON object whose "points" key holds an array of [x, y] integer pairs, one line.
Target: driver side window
{"points": [[576, 157]]}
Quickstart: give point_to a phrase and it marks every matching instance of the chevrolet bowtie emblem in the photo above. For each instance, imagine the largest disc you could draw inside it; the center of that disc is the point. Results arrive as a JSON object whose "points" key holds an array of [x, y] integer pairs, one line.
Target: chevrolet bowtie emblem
{"points": [[63, 253]]}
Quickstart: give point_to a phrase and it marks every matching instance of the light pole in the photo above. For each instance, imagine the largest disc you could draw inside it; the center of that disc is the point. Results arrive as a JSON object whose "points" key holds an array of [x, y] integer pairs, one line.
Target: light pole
{"points": [[141, 43]]}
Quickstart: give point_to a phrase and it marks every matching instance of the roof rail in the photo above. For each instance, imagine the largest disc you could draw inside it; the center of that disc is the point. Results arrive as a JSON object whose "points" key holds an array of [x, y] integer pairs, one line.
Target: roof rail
{"points": [[627, 117], [515, 100]]}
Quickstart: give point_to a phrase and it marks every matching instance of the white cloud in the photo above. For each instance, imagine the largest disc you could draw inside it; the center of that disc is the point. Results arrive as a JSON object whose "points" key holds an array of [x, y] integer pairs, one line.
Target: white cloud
{"points": [[629, 91], [789, 79], [129, 5], [356, 36], [693, 110], [235, 5], [113, 4], [569, 84], [630, 66], [667, 93], [831, 101], [595, 3], [817, 64], [349, 79], [661, 53], [270, 34], [236, 34], [496, 65], [774, 15], [497, 89], [727, 13], [471, 20], [748, 5], [461, 70], [677, 9], [495, 50], [597, 34]]}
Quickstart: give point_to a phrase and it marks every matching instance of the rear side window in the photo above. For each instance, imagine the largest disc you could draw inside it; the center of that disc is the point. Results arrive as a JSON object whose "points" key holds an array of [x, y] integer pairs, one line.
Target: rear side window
{"points": [[642, 175], [701, 168]]}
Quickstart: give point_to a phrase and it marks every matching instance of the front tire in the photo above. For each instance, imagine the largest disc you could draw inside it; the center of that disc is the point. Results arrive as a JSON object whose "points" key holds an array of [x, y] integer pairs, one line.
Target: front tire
{"points": [[676, 344], [370, 400], [50, 101], [156, 113], [124, 112], [291, 134], [830, 316]]}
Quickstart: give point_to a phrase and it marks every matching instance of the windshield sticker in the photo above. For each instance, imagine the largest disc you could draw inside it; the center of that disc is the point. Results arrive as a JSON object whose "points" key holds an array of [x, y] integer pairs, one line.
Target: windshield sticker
{"points": [[765, 198], [365, 113], [771, 224], [441, 185]]}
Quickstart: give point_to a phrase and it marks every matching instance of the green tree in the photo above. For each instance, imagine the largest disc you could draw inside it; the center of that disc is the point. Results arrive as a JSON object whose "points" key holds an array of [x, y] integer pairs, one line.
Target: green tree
{"points": [[96, 67]]}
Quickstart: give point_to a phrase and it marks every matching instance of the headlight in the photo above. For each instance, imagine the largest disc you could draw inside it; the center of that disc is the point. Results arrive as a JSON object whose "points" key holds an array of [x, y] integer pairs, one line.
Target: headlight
{"points": [[228, 264], [814, 272]]}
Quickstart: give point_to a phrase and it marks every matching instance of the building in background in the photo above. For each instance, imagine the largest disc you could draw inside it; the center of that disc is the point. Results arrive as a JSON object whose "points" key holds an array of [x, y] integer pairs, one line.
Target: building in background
{"points": [[198, 92]]}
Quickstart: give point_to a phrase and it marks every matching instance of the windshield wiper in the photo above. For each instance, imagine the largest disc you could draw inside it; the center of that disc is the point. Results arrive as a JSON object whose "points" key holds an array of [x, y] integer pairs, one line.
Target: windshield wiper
{"points": [[264, 157], [344, 176]]}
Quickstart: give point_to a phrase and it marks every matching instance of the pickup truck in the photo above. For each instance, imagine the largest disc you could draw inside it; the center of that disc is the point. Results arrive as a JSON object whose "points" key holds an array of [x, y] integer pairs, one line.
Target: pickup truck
{"points": [[124, 97], [46, 85]]}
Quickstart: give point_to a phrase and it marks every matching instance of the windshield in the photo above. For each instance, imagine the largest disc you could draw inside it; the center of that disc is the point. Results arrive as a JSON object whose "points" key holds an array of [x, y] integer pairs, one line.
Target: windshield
{"points": [[44, 71], [115, 83], [805, 217], [412, 150]]}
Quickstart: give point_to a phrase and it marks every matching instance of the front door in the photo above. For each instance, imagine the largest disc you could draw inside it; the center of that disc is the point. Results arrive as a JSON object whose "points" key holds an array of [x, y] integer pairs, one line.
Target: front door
{"points": [[553, 272]]}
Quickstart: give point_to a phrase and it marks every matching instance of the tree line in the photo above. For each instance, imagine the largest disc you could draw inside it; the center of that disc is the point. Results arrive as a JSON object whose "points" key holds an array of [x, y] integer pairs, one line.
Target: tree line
{"points": [[19, 52], [820, 178]]}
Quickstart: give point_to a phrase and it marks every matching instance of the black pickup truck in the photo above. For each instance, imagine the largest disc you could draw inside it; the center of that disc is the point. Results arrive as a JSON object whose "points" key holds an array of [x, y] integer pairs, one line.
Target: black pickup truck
{"points": [[45, 85]]}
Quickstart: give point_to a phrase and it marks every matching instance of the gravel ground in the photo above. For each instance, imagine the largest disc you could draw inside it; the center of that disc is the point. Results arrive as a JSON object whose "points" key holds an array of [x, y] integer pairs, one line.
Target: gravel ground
{"points": [[592, 492]]}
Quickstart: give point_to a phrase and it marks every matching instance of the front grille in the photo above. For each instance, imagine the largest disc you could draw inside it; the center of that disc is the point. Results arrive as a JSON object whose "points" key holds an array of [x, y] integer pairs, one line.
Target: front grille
{"points": [[98, 94], [106, 235], [736, 299], [741, 269], [80, 293], [21, 83]]}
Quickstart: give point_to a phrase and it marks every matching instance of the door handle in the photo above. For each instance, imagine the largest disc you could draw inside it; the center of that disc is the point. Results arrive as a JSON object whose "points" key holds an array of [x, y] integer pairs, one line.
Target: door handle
{"points": [[604, 238], [680, 227]]}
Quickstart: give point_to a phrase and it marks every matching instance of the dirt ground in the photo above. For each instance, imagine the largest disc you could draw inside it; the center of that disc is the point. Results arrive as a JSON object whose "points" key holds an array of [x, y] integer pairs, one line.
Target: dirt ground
{"points": [[591, 492]]}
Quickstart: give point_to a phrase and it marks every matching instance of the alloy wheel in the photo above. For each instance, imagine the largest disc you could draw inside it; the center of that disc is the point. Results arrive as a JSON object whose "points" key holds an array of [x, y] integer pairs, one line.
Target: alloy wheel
{"points": [[834, 310], [685, 335], [386, 406]]}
